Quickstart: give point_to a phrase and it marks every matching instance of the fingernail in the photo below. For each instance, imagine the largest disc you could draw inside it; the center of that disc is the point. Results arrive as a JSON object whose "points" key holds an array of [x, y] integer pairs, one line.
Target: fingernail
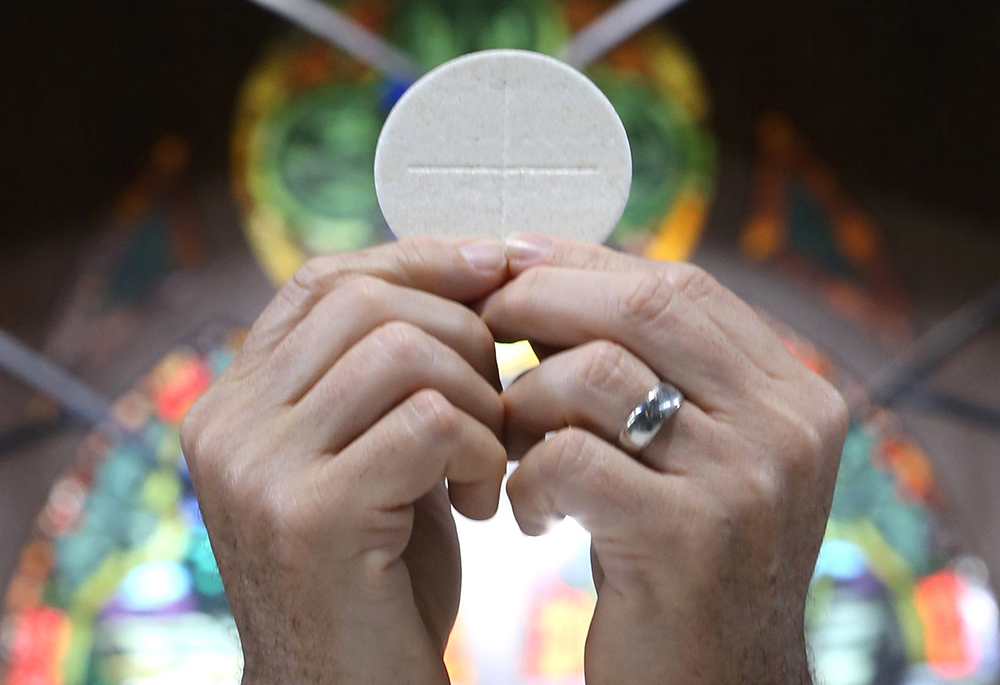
{"points": [[485, 255], [527, 248]]}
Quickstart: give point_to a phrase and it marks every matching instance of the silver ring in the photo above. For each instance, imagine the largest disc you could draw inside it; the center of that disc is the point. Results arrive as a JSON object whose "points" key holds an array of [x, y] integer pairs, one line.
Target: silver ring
{"points": [[648, 418]]}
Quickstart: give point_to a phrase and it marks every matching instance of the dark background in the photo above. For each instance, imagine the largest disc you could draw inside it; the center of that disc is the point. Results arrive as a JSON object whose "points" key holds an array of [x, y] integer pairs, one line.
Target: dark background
{"points": [[901, 96]]}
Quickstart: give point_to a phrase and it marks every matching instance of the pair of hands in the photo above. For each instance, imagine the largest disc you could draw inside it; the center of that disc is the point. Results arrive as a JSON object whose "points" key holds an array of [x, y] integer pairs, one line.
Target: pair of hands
{"points": [[320, 458]]}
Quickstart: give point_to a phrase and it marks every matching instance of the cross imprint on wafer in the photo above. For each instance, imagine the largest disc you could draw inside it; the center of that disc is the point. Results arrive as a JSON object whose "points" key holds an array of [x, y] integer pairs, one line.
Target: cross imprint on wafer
{"points": [[502, 170]]}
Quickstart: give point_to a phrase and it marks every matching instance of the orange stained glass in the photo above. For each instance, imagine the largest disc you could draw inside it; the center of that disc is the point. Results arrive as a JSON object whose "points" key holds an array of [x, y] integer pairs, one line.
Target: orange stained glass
{"points": [[38, 650], [176, 383], [937, 598]]}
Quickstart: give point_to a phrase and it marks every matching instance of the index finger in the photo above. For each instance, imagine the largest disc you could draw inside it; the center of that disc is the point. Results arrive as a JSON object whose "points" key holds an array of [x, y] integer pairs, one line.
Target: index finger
{"points": [[460, 270], [641, 312], [734, 317]]}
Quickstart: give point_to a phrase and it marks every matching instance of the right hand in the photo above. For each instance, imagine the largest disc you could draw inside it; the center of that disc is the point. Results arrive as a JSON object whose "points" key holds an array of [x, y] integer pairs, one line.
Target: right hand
{"points": [[319, 460]]}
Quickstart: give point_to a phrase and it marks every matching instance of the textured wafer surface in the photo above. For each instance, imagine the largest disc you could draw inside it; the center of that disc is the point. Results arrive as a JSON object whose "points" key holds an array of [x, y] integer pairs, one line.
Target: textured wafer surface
{"points": [[503, 141]]}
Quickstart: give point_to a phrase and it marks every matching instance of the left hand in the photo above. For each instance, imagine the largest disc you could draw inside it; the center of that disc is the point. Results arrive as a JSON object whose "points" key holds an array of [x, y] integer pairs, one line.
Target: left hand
{"points": [[319, 459], [704, 543]]}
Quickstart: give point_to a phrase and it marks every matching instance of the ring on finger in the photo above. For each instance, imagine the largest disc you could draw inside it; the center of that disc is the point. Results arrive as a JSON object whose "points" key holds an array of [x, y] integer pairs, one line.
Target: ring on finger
{"points": [[648, 417]]}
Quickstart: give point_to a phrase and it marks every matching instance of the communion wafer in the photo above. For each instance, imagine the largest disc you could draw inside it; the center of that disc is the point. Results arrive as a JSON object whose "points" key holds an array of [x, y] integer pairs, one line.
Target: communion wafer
{"points": [[499, 142]]}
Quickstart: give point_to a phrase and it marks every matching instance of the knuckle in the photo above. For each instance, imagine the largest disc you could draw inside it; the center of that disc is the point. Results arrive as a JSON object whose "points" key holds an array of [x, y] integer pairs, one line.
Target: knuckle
{"points": [[824, 422], [203, 438], [433, 417], [297, 510], [195, 447], [801, 446], [404, 343], [824, 433], [307, 276], [191, 432], [810, 441], [297, 513], [365, 292], [272, 504], [835, 416], [648, 298], [233, 471], [604, 365], [307, 281], [810, 429], [414, 251], [224, 447], [570, 456], [764, 491], [694, 282]]}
